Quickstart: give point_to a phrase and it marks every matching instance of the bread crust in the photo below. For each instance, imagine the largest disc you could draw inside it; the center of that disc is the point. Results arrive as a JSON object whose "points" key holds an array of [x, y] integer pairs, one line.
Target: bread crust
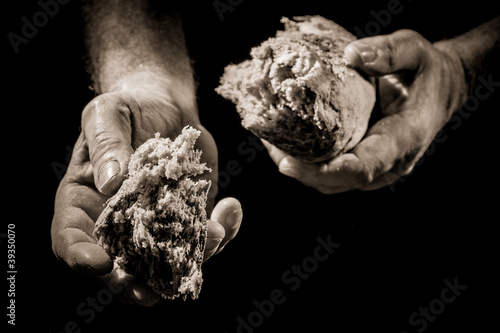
{"points": [[298, 93]]}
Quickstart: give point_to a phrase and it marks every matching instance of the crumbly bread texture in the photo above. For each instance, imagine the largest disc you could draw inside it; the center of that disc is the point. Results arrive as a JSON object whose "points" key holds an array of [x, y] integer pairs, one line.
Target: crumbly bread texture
{"points": [[156, 225], [298, 93]]}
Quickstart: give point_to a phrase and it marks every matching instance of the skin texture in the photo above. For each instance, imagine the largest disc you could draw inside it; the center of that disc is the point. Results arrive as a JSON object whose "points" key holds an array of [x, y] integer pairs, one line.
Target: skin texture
{"points": [[420, 85], [143, 87]]}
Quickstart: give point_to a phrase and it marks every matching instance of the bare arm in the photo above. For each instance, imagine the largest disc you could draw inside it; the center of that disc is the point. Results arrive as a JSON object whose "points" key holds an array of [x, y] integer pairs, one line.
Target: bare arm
{"points": [[132, 45], [142, 75], [476, 50]]}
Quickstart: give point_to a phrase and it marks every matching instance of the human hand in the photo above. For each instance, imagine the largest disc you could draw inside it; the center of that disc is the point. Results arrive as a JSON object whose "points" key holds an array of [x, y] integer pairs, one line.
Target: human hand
{"points": [[419, 86], [113, 125]]}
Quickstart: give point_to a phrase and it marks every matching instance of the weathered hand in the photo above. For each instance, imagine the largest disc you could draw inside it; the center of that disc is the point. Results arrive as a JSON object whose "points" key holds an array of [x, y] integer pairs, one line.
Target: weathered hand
{"points": [[113, 125], [420, 85]]}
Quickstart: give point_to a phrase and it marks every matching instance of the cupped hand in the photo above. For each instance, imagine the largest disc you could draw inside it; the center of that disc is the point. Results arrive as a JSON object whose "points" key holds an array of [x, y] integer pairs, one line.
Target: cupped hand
{"points": [[113, 125], [420, 84]]}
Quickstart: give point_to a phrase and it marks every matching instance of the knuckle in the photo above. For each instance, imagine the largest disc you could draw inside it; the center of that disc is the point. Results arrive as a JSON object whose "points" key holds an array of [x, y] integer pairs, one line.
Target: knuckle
{"points": [[406, 171], [419, 43], [104, 139], [89, 111], [105, 120], [103, 106], [361, 175], [404, 39], [408, 35], [103, 144], [406, 167], [363, 178]]}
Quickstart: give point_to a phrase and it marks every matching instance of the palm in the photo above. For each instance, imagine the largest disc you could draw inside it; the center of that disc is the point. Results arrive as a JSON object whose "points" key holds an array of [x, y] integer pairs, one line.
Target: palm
{"points": [[393, 93]]}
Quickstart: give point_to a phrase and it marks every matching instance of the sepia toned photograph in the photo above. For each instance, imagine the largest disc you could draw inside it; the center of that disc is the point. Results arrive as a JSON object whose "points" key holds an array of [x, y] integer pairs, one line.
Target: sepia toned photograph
{"points": [[241, 166]]}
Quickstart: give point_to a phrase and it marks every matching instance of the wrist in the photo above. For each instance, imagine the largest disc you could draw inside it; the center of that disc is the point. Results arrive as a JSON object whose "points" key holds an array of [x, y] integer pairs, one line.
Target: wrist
{"points": [[457, 69], [477, 51], [132, 48], [162, 85], [142, 79]]}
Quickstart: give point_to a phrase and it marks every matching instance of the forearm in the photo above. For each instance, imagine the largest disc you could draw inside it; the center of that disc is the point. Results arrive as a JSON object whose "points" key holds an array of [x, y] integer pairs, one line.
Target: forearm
{"points": [[476, 50], [130, 46]]}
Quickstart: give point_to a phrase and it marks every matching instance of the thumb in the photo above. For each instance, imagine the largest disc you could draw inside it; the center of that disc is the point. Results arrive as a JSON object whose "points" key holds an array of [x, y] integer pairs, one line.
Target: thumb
{"points": [[387, 54], [107, 129]]}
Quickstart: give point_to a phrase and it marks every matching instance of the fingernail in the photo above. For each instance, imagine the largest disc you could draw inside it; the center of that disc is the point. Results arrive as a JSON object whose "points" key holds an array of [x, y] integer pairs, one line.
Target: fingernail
{"points": [[365, 52], [108, 173], [266, 144], [219, 249], [290, 171], [87, 269], [142, 295], [233, 219], [212, 243]]}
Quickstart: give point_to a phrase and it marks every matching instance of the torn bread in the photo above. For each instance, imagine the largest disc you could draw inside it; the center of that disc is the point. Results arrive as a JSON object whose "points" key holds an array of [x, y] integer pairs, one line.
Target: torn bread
{"points": [[298, 93], [155, 227]]}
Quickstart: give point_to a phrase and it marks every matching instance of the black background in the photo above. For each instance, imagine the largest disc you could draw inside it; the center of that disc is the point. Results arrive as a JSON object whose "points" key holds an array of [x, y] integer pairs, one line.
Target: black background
{"points": [[398, 244]]}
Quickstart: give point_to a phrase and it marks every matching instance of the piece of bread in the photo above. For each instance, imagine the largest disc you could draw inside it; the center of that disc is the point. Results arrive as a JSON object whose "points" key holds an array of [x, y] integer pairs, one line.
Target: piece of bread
{"points": [[297, 92], [155, 227]]}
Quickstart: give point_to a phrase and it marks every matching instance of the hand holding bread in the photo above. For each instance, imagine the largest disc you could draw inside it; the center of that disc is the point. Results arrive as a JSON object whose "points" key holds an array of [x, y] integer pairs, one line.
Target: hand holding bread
{"points": [[298, 93], [419, 87], [137, 204], [113, 126]]}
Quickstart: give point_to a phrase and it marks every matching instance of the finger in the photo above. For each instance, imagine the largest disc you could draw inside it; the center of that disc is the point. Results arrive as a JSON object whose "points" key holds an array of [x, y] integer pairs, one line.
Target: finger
{"points": [[388, 141], [79, 165], [276, 154], [127, 289], [337, 175], [387, 54], [288, 165], [73, 222], [392, 143], [228, 214], [73, 242], [107, 130], [316, 175], [87, 257], [302, 171], [141, 294], [215, 235], [206, 144], [384, 180]]}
